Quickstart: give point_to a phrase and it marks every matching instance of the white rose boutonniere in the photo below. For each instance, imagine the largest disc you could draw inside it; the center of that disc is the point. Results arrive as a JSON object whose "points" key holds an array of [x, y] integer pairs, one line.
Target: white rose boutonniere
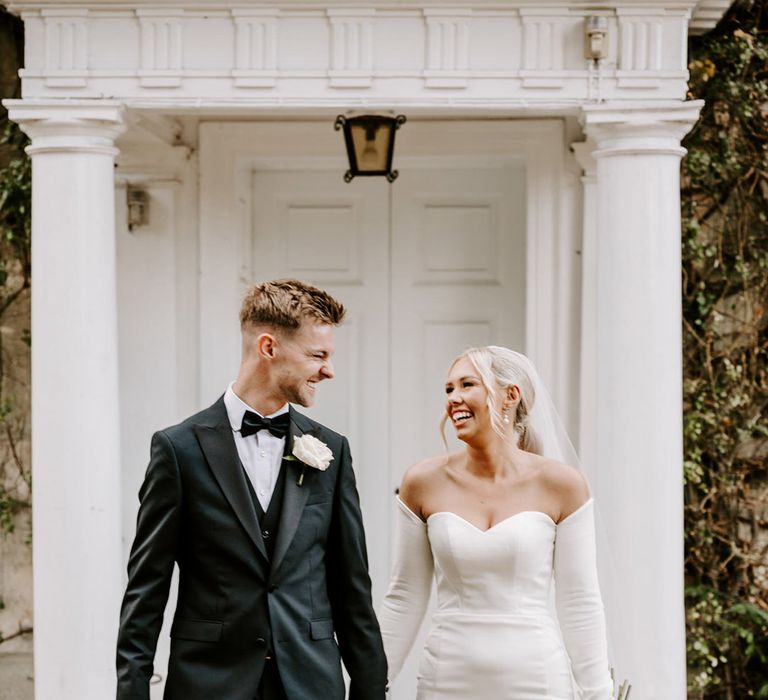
{"points": [[312, 452]]}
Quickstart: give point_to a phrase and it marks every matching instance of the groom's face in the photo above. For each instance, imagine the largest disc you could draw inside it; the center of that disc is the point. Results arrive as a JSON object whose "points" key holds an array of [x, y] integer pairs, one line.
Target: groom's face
{"points": [[303, 360]]}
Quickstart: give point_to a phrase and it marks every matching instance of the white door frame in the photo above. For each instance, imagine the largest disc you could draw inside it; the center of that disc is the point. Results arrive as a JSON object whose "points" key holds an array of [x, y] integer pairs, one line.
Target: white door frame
{"points": [[230, 151]]}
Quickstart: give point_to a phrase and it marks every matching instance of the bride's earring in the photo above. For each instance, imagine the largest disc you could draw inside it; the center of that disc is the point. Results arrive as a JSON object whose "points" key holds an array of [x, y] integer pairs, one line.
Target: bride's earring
{"points": [[505, 416]]}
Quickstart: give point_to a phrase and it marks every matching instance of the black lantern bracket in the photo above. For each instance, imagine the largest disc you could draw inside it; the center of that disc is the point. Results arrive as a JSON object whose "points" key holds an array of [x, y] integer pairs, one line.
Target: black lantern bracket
{"points": [[370, 144]]}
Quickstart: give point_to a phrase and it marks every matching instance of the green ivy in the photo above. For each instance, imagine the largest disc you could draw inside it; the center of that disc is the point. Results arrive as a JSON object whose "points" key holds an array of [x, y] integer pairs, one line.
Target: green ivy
{"points": [[725, 310], [15, 280], [15, 205]]}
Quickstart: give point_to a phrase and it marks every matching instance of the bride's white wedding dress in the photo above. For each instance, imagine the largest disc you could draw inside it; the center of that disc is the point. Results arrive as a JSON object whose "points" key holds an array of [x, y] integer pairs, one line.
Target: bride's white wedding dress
{"points": [[495, 635]]}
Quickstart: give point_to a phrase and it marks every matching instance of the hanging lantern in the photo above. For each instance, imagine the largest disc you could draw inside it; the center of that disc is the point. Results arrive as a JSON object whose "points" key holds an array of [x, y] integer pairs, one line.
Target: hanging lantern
{"points": [[370, 142]]}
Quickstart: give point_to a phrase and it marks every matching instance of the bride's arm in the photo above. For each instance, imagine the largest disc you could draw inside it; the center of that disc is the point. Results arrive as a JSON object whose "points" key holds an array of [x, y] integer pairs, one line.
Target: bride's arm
{"points": [[579, 605], [405, 603]]}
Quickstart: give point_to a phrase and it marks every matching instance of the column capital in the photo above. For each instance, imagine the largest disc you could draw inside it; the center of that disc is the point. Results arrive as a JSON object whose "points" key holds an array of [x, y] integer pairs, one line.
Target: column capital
{"points": [[639, 128], [71, 126]]}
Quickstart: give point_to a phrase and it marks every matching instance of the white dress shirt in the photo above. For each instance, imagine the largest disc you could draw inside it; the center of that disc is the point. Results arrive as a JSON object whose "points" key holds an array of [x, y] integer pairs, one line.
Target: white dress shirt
{"points": [[262, 453]]}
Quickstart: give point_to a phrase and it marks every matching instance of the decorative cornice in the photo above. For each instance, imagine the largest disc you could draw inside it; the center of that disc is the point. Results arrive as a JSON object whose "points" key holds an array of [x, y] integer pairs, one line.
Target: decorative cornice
{"points": [[447, 47], [161, 47], [255, 47], [351, 47], [66, 44], [206, 5], [217, 50], [707, 14]]}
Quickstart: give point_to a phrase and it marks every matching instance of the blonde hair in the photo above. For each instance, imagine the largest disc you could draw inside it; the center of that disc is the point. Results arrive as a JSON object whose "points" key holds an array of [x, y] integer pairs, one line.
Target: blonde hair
{"points": [[499, 368], [285, 303]]}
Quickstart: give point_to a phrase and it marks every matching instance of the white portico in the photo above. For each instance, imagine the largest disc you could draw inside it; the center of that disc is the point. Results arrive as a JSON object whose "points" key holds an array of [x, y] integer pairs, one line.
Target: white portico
{"points": [[537, 206]]}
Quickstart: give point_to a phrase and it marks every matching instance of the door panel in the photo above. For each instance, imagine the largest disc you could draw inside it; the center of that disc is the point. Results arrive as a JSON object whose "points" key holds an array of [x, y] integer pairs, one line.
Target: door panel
{"points": [[458, 280]]}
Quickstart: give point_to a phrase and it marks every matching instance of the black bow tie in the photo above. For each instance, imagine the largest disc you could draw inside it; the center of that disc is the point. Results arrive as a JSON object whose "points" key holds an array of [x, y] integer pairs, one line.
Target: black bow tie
{"points": [[253, 422]]}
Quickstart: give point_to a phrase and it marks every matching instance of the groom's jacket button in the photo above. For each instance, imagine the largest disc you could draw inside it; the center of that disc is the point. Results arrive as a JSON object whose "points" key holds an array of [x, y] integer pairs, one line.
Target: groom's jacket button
{"points": [[265, 534], [261, 642]]}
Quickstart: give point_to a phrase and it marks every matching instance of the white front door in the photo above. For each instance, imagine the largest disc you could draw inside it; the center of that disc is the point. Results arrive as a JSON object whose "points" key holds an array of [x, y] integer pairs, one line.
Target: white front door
{"points": [[427, 266]]}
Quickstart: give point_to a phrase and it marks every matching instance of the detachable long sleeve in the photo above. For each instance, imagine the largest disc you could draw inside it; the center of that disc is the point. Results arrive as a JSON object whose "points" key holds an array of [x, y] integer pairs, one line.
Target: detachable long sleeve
{"points": [[405, 603], [579, 605]]}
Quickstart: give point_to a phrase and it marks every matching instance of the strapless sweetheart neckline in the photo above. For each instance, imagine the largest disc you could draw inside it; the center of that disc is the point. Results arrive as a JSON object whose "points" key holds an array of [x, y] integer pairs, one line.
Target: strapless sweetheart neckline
{"points": [[495, 525]]}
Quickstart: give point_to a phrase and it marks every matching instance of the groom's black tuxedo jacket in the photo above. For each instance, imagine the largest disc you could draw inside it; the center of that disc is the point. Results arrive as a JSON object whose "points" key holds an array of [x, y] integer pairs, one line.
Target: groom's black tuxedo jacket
{"points": [[234, 603]]}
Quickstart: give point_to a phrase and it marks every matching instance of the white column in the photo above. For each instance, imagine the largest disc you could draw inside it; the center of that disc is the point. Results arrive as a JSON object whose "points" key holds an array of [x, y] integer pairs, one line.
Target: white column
{"points": [[636, 343], [588, 370], [75, 439]]}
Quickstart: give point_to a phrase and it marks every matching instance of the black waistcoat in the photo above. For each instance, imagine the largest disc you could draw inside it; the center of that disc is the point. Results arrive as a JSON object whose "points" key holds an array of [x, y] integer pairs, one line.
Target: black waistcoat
{"points": [[270, 520], [268, 523]]}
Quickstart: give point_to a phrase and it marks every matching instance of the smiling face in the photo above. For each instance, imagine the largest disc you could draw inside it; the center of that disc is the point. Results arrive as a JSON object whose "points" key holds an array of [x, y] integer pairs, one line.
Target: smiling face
{"points": [[467, 401], [302, 359]]}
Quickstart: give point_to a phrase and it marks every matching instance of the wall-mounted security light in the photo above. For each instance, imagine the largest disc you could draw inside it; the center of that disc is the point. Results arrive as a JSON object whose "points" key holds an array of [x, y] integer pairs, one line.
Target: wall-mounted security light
{"points": [[596, 37], [138, 207]]}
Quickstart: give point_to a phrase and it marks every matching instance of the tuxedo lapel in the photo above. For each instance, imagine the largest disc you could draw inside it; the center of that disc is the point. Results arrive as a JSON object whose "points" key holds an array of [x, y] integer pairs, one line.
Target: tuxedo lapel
{"points": [[219, 449], [295, 496]]}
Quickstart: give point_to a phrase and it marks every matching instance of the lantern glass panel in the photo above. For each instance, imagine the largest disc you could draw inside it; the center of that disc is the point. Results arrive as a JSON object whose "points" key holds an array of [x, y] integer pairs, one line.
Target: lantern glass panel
{"points": [[371, 142]]}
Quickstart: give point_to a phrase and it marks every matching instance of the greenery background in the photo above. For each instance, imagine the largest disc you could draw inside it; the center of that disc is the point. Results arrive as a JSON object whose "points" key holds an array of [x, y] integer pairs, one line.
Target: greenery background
{"points": [[15, 279], [725, 295], [725, 298]]}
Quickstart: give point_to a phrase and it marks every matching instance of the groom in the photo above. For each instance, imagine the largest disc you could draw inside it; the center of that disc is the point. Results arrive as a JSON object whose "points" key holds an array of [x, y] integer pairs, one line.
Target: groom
{"points": [[258, 506]]}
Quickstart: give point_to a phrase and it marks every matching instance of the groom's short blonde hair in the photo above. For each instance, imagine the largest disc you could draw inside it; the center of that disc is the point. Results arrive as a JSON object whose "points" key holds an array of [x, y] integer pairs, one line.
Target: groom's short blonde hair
{"points": [[285, 303]]}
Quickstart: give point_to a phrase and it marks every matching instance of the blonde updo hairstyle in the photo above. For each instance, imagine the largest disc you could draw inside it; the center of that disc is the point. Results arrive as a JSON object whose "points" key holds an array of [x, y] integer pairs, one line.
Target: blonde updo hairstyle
{"points": [[499, 368]]}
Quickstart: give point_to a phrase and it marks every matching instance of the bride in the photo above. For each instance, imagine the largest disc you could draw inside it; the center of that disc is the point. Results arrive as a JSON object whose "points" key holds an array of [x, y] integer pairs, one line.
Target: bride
{"points": [[497, 524]]}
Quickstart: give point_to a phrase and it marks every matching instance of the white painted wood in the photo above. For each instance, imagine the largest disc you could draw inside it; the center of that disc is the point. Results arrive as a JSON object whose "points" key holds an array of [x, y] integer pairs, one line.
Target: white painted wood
{"points": [[255, 48], [707, 14], [588, 313], [75, 421], [161, 47], [458, 280], [352, 47], [447, 47], [496, 52], [66, 43], [637, 476]]}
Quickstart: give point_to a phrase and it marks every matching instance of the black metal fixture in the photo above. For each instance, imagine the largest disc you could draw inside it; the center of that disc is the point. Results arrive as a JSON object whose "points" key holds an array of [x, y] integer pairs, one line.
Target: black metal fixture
{"points": [[138, 207], [370, 141]]}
